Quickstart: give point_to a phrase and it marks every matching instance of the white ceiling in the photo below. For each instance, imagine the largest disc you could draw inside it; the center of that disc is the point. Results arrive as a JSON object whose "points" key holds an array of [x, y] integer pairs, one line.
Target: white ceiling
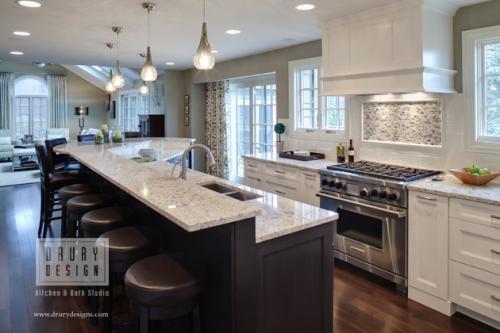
{"points": [[74, 32]]}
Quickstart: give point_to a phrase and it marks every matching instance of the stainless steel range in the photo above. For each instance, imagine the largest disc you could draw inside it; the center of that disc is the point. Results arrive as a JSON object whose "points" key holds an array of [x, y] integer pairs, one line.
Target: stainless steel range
{"points": [[372, 202]]}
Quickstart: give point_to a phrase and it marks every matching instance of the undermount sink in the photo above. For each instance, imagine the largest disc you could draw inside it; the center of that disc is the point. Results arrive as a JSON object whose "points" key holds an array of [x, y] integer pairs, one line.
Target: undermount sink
{"points": [[231, 192]]}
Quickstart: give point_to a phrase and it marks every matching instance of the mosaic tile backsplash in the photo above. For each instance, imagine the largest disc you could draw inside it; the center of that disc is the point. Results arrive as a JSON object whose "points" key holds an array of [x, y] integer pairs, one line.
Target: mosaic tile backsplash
{"points": [[403, 122]]}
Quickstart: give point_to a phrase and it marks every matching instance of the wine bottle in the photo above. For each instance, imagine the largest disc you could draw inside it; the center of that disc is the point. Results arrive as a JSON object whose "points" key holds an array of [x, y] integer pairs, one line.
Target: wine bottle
{"points": [[351, 152]]}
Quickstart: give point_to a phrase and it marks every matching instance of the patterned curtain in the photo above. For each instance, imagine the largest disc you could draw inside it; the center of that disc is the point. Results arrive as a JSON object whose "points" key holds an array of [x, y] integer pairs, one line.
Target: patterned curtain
{"points": [[217, 111], [6, 100], [57, 101]]}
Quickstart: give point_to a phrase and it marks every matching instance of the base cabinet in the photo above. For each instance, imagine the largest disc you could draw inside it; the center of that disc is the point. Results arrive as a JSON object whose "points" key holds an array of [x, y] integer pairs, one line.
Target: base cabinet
{"points": [[289, 182], [428, 244]]}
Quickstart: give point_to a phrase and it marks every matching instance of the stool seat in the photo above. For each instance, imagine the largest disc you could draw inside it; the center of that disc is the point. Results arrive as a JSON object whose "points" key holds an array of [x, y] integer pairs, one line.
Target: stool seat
{"points": [[70, 191], [127, 244], [101, 220], [83, 203], [163, 280]]}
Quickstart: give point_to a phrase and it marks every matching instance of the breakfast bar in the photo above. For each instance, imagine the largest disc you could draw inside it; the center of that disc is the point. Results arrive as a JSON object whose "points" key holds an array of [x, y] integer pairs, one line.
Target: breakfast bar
{"points": [[256, 246]]}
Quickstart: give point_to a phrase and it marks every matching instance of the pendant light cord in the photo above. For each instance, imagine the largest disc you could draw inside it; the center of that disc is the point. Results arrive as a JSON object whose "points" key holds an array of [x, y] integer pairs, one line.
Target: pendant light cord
{"points": [[204, 9], [149, 27], [118, 46]]}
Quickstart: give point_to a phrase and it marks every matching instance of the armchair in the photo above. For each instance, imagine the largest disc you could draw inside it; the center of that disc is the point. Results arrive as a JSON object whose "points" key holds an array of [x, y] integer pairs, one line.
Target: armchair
{"points": [[6, 144]]}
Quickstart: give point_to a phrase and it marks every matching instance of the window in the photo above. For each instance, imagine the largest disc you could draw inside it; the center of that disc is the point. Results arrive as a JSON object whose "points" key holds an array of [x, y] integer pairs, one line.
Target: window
{"points": [[312, 112], [132, 104], [481, 71], [31, 106], [253, 108]]}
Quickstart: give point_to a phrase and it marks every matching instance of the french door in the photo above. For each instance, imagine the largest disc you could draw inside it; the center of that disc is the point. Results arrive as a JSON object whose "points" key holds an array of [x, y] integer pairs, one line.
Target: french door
{"points": [[253, 114]]}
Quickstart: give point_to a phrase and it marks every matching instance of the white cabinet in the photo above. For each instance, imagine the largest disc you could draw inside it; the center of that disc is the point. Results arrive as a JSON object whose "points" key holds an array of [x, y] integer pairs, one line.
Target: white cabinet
{"points": [[287, 181], [428, 246]]}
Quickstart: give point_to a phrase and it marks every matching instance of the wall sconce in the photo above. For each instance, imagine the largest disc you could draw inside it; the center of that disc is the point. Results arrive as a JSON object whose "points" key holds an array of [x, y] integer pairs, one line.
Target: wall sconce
{"points": [[81, 111]]}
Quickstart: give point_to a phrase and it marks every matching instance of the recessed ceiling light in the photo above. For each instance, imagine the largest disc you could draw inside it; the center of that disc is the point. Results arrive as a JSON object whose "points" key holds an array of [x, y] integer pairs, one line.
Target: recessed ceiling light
{"points": [[16, 52], [215, 51], [29, 4], [305, 6], [233, 32], [170, 63], [21, 33]]}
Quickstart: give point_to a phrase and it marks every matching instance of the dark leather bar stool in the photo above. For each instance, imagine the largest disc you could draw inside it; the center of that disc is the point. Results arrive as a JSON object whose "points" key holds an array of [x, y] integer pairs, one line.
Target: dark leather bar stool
{"points": [[164, 287], [125, 246], [50, 183], [60, 163], [77, 206], [66, 193], [99, 221]]}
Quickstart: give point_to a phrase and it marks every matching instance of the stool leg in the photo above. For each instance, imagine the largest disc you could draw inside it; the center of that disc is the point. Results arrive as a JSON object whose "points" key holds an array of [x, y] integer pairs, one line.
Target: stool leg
{"points": [[63, 219], [71, 223], [47, 214], [42, 211], [144, 320], [108, 307], [195, 319]]}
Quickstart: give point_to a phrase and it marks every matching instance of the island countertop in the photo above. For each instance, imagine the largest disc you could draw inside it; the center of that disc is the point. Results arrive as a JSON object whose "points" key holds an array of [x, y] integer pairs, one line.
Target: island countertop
{"points": [[186, 202]]}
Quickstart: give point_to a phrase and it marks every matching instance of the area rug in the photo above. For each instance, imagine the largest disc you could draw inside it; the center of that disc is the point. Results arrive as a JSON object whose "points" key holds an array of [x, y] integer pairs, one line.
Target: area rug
{"points": [[9, 178]]}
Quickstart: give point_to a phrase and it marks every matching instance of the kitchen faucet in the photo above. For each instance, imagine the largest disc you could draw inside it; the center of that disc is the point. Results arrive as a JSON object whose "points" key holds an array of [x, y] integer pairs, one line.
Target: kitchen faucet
{"points": [[210, 162]]}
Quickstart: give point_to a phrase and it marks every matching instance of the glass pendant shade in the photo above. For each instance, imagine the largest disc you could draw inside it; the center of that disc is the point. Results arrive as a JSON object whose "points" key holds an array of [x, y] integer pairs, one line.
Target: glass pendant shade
{"points": [[204, 59], [144, 89], [118, 80], [148, 72], [109, 84]]}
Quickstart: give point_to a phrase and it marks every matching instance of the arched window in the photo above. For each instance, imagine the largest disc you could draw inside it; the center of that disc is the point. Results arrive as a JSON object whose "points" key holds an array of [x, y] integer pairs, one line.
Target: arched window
{"points": [[31, 106]]}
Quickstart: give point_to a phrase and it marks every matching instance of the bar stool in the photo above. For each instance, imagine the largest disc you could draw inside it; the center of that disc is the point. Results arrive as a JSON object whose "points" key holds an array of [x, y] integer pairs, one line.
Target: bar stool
{"points": [[66, 193], [98, 221], [60, 163], [164, 287], [50, 183], [77, 206], [125, 246]]}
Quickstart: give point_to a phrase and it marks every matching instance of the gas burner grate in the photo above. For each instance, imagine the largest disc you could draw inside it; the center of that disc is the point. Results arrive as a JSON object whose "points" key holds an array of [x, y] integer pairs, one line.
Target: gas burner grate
{"points": [[387, 171]]}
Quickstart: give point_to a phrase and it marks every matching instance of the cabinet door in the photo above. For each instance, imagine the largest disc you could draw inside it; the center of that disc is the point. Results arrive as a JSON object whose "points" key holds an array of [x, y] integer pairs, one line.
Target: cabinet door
{"points": [[310, 186], [428, 243]]}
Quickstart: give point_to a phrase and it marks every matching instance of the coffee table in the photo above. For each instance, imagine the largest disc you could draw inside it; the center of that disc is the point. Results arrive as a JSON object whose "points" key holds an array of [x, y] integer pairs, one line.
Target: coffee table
{"points": [[24, 159]]}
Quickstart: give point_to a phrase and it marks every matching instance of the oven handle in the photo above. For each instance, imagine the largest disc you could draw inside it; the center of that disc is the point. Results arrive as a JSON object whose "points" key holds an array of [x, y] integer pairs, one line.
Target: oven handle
{"points": [[398, 214]]}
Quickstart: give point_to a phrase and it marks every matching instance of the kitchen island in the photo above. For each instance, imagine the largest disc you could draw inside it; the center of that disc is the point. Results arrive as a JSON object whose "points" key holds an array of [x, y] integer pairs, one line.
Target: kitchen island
{"points": [[268, 260]]}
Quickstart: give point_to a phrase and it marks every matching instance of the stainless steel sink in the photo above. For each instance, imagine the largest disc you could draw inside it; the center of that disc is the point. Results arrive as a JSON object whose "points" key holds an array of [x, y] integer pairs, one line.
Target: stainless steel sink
{"points": [[231, 192]]}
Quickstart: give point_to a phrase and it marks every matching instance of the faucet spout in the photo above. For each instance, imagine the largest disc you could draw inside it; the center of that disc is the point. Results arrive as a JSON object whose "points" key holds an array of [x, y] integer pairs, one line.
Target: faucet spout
{"points": [[210, 162]]}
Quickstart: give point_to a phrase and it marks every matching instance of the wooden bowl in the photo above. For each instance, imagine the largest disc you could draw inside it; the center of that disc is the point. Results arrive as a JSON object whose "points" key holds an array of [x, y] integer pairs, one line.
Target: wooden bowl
{"points": [[467, 178]]}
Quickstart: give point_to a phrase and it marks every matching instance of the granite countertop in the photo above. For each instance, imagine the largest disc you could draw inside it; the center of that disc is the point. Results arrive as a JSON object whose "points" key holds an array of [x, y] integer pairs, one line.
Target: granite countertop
{"points": [[313, 165], [454, 188], [186, 203]]}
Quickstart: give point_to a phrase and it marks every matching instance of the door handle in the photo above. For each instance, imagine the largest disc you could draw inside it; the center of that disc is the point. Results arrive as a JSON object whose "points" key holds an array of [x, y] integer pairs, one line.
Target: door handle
{"points": [[426, 198], [357, 249]]}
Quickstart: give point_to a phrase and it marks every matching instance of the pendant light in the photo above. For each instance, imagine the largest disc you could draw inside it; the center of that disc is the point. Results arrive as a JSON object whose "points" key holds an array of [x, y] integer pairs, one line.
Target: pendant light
{"points": [[204, 59], [118, 80], [109, 84], [148, 72], [144, 89]]}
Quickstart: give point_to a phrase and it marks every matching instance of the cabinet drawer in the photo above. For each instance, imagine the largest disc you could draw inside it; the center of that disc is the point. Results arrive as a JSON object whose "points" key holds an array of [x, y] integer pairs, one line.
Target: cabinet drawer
{"points": [[281, 175], [251, 165], [475, 289], [279, 189], [254, 181], [475, 212], [475, 245]]}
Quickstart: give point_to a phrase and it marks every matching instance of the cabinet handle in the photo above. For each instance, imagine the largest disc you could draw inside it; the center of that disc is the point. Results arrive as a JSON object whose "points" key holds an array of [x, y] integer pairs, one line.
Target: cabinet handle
{"points": [[279, 192], [426, 198], [310, 176], [280, 172], [253, 178], [495, 217], [495, 298], [495, 251], [357, 249], [252, 165]]}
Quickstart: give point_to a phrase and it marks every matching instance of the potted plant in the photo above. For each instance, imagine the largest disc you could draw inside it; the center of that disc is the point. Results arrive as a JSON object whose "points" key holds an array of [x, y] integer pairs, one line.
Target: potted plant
{"points": [[279, 129]]}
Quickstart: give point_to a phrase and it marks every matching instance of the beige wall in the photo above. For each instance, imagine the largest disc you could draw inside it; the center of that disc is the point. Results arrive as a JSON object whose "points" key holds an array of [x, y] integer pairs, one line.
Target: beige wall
{"points": [[79, 92], [174, 103], [472, 17]]}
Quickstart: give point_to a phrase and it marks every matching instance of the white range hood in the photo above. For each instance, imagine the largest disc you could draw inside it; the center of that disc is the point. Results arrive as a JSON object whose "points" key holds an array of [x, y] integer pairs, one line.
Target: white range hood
{"points": [[400, 48]]}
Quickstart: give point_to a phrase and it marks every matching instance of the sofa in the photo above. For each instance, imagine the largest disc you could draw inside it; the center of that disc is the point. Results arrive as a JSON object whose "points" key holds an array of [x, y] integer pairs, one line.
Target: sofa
{"points": [[55, 133], [6, 144]]}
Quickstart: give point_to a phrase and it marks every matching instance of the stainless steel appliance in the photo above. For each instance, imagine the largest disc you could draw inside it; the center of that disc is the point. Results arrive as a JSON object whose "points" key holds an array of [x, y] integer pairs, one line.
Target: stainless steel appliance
{"points": [[372, 202]]}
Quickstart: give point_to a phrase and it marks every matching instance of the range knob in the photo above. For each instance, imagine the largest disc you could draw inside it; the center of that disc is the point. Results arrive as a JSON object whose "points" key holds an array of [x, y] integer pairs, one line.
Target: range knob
{"points": [[364, 192], [324, 182], [332, 183], [393, 196], [339, 184], [374, 192], [382, 194]]}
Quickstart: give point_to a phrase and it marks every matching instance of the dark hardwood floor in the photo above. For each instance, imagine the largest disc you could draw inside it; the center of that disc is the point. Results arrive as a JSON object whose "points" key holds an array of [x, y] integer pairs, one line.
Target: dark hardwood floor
{"points": [[362, 303]]}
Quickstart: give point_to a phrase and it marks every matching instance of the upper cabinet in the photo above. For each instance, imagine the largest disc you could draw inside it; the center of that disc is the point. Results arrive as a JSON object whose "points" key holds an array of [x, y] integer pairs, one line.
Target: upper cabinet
{"points": [[399, 48]]}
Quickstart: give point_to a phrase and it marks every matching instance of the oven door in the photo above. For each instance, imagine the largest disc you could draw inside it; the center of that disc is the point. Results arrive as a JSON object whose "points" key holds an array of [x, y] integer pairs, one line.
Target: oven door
{"points": [[372, 232]]}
